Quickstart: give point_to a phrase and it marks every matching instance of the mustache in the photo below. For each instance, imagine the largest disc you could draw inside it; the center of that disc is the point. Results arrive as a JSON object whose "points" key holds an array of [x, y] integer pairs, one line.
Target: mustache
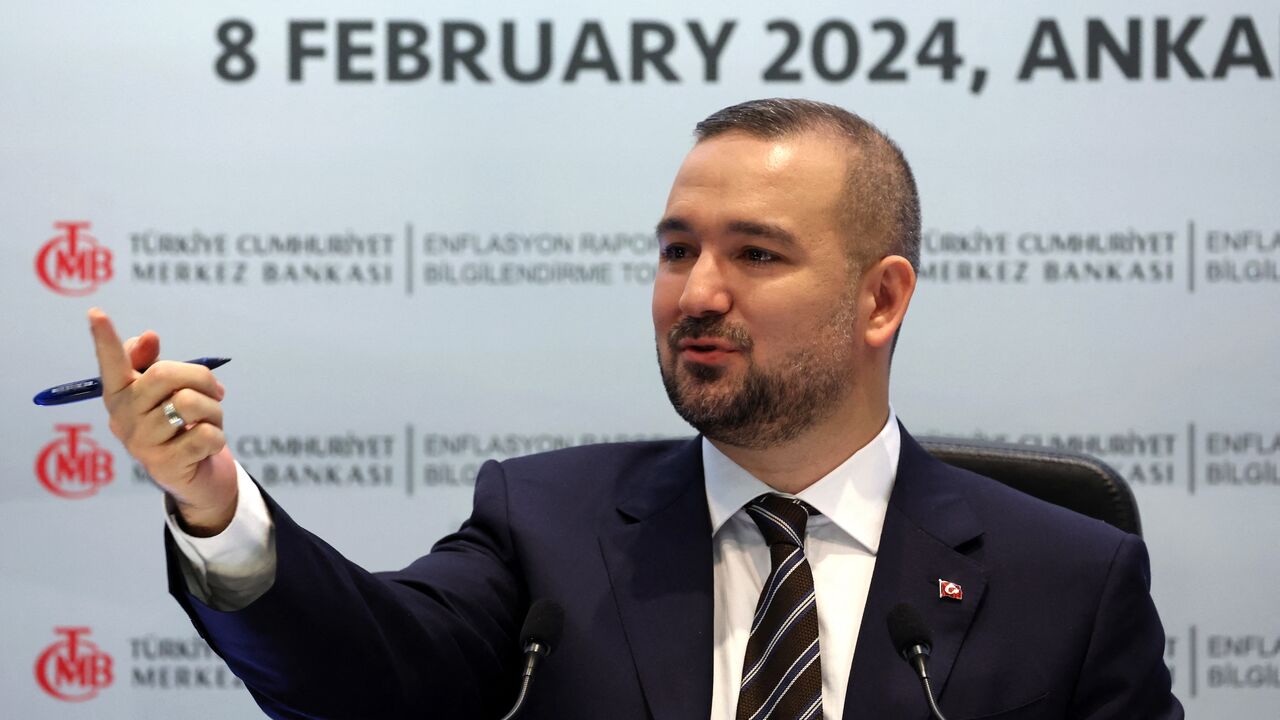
{"points": [[714, 326]]}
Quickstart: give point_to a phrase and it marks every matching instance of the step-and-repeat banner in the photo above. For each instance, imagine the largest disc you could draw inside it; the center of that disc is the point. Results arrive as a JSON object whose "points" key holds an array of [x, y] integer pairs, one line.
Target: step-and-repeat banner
{"points": [[423, 234]]}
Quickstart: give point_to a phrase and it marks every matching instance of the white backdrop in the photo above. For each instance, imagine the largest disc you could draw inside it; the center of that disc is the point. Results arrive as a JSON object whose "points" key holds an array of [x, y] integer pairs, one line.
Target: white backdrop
{"points": [[414, 275]]}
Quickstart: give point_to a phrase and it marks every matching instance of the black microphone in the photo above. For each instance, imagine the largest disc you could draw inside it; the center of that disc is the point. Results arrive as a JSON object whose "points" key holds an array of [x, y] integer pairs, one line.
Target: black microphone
{"points": [[911, 639], [539, 635]]}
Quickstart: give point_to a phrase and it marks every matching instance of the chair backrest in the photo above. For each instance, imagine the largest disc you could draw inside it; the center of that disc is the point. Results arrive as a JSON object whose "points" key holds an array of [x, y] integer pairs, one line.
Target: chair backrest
{"points": [[1075, 481]]}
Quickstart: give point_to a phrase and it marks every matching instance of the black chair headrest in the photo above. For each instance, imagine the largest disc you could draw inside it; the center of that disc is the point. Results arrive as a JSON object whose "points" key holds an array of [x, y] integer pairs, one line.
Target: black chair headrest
{"points": [[1072, 480]]}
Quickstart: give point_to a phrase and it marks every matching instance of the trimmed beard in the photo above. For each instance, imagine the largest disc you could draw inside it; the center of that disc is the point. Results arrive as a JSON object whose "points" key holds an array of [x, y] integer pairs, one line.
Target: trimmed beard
{"points": [[768, 407]]}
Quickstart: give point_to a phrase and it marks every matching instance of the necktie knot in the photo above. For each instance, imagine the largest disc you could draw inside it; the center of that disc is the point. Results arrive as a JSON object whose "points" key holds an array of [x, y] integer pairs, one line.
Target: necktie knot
{"points": [[781, 519]]}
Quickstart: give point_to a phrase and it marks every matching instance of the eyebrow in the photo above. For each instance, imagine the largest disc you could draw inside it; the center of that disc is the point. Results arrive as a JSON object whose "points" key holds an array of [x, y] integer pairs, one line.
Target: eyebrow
{"points": [[670, 225], [737, 227], [763, 230]]}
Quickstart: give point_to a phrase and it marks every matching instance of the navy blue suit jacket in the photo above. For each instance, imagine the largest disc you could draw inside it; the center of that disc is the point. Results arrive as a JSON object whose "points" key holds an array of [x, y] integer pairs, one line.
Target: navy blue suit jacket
{"points": [[1056, 620]]}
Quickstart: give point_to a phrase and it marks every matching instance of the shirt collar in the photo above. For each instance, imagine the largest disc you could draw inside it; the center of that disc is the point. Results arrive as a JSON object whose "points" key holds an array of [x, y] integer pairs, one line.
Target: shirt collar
{"points": [[854, 496]]}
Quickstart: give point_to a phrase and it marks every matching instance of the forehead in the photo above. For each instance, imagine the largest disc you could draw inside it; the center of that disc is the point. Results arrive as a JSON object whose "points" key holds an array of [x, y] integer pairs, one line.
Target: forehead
{"points": [[796, 181]]}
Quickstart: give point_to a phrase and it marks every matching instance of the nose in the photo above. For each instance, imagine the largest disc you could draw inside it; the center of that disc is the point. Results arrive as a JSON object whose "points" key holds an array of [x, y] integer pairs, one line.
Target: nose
{"points": [[706, 290]]}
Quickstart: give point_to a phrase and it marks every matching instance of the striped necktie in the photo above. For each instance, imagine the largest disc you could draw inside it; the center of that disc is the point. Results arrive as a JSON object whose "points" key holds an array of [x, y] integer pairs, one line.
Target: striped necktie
{"points": [[782, 675]]}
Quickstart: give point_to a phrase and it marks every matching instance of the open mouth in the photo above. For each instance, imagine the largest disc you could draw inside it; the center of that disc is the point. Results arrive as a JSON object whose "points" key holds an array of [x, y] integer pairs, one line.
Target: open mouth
{"points": [[706, 350], [706, 345]]}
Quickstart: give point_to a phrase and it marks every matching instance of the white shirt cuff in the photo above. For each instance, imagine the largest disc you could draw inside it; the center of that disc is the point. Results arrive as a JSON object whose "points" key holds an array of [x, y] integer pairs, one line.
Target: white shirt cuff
{"points": [[235, 567]]}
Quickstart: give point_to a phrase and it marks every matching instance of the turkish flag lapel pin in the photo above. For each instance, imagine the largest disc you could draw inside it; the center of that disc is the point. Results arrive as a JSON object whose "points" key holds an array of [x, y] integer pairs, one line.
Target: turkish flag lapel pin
{"points": [[950, 590]]}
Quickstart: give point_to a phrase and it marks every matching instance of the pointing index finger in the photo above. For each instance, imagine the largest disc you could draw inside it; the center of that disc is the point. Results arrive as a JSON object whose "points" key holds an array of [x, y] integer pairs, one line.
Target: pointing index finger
{"points": [[112, 361]]}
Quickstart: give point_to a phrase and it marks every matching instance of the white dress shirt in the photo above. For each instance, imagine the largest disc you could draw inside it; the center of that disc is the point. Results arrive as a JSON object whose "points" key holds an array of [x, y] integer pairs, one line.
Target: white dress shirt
{"points": [[235, 567], [840, 544], [232, 569]]}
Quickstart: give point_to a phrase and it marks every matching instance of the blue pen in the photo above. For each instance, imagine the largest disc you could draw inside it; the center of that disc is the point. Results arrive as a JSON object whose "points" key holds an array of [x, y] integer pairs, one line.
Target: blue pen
{"points": [[92, 388]]}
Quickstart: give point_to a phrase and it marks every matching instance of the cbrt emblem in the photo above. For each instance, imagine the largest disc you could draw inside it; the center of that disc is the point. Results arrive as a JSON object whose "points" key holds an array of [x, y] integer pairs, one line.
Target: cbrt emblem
{"points": [[73, 263]]}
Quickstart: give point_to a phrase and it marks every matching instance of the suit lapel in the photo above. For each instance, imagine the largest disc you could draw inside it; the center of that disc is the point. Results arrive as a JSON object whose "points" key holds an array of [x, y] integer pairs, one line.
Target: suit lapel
{"points": [[657, 549], [927, 530]]}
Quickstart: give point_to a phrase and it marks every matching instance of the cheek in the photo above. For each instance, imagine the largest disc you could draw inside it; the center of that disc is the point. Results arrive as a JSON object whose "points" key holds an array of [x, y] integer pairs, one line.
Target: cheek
{"points": [[781, 328], [667, 289]]}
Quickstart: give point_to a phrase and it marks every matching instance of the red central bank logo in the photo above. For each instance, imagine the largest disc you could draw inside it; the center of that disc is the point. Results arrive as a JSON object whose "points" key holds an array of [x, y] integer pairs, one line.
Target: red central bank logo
{"points": [[73, 466], [73, 263], [73, 669]]}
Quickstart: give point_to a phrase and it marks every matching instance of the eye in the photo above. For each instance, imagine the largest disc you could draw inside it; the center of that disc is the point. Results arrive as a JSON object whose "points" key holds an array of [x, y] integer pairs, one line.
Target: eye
{"points": [[675, 252], [758, 256]]}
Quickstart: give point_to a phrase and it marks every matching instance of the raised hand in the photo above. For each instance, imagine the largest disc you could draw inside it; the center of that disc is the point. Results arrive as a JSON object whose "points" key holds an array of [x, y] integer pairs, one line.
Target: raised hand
{"points": [[182, 447]]}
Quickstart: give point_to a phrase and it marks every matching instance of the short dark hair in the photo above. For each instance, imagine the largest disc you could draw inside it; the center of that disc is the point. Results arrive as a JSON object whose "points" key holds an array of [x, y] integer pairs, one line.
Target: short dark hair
{"points": [[881, 203]]}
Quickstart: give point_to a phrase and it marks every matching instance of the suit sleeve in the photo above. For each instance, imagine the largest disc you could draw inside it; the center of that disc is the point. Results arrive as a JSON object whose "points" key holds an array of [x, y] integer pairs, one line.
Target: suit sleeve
{"points": [[1124, 675], [331, 640]]}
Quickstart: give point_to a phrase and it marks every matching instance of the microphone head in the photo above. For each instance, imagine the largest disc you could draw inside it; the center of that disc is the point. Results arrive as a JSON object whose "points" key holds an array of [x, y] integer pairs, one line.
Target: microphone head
{"points": [[907, 629], [543, 624]]}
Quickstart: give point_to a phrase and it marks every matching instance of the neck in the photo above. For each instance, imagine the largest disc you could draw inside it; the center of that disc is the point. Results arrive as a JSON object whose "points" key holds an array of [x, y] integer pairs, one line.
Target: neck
{"points": [[795, 465]]}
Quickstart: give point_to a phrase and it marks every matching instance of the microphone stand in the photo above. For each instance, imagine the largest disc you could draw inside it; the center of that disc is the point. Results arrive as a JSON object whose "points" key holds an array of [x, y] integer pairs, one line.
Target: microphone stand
{"points": [[533, 652]]}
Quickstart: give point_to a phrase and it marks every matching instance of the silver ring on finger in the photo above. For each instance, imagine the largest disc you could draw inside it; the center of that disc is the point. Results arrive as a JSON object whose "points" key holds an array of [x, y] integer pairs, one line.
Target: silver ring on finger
{"points": [[171, 414]]}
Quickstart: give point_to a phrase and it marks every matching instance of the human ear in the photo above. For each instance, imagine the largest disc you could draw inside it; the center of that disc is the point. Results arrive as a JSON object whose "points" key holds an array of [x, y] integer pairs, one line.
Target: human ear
{"points": [[887, 286]]}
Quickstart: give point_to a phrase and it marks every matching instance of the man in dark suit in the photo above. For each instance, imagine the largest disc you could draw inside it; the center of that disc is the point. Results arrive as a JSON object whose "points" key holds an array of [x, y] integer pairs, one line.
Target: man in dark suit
{"points": [[746, 573]]}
